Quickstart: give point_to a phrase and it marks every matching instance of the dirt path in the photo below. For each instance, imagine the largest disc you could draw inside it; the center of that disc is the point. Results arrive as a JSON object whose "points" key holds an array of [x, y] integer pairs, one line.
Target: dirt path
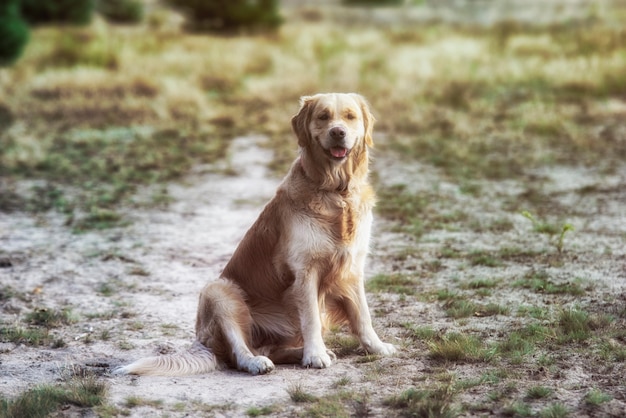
{"points": [[146, 277]]}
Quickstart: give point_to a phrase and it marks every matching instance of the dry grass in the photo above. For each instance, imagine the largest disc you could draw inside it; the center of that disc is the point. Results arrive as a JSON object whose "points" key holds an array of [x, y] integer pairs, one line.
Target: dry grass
{"points": [[105, 109]]}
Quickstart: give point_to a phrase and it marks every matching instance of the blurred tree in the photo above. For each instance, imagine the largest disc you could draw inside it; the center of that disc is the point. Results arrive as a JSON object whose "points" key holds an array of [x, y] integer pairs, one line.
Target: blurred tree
{"points": [[229, 15], [13, 32], [121, 11], [76, 12]]}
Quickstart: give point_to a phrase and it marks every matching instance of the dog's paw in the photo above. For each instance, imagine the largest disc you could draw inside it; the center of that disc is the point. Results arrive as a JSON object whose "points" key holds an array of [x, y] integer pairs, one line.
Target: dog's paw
{"points": [[381, 348], [257, 365], [387, 349], [318, 360]]}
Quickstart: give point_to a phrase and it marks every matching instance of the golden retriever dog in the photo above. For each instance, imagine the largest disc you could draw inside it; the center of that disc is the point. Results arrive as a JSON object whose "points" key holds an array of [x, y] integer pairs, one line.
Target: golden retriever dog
{"points": [[299, 268]]}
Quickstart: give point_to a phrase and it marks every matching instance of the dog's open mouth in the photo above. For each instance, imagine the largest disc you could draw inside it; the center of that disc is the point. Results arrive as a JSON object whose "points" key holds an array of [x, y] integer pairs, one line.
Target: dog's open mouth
{"points": [[338, 153]]}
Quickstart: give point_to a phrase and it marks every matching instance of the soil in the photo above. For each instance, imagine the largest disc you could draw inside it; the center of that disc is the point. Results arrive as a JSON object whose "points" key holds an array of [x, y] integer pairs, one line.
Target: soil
{"points": [[134, 289]]}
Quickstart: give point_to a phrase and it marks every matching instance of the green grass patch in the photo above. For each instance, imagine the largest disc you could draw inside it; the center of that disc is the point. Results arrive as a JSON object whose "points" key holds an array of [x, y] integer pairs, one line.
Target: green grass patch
{"points": [[455, 347], [392, 283], [536, 312], [556, 231], [256, 411], [539, 392], [299, 395], [105, 167], [596, 397], [462, 308], [540, 282], [556, 410], [484, 258], [407, 209], [520, 343], [50, 318], [341, 382], [341, 404], [436, 402], [491, 377], [136, 401], [575, 325], [476, 284], [517, 409], [7, 292], [32, 336], [420, 333], [612, 351], [446, 295], [342, 345], [45, 399]]}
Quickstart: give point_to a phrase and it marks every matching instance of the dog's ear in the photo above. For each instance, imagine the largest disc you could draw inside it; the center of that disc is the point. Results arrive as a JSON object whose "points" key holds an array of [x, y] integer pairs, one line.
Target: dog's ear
{"points": [[368, 119], [300, 121]]}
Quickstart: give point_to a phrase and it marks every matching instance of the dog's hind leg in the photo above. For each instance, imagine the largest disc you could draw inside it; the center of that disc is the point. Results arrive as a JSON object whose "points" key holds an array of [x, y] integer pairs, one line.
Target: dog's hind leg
{"points": [[291, 355], [223, 324]]}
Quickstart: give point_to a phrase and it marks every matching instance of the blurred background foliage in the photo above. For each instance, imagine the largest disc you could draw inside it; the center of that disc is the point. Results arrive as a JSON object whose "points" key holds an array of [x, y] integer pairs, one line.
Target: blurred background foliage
{"points": [[77, 12], [13, 32], [111, 95]]}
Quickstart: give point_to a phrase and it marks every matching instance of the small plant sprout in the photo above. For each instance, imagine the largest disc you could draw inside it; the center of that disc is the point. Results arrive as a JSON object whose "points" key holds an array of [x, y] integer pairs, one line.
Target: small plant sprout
{"points": [[550, 229]]}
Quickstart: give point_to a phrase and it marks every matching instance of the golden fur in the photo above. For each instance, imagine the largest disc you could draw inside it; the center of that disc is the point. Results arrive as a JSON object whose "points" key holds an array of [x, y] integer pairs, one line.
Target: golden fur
{"points": [[300, 266]]}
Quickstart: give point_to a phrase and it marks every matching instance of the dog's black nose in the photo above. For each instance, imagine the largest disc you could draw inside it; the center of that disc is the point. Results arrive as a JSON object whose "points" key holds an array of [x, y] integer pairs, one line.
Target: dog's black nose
{"points": [[338, 132]]}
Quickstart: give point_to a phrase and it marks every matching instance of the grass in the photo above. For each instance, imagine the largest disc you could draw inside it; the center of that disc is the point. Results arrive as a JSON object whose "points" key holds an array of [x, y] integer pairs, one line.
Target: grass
{"points": [[460, 308], [299, 395], [596, 397], [393, 283], [483, 258], [29, 336], [436, 402], [460, 348], [50, 318], [575, 325], [555, 410], [420, 333], [539, 281], [256, 411], [539, 392], [477, 284], [135, 401], [45, 399], [522, 342], [506, 110], [555, 231], [341, 344]]}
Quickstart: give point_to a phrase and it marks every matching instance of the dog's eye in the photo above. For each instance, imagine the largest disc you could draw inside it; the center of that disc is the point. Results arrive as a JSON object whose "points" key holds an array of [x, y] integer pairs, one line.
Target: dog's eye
{"points": [[350, 116], [323, 116]]}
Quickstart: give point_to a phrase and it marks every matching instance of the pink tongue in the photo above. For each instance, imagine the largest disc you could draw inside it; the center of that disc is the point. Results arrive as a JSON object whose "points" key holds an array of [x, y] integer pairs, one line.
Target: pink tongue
{"points": [[338, 152]]}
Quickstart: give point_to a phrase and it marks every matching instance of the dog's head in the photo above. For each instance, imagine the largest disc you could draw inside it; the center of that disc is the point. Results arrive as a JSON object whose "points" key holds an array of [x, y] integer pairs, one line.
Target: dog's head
{"points": [[334, 124]]}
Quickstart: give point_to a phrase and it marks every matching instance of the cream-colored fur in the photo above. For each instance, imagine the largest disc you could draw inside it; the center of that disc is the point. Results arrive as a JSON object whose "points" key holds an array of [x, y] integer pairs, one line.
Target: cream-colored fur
{"points": [[300, 266]]}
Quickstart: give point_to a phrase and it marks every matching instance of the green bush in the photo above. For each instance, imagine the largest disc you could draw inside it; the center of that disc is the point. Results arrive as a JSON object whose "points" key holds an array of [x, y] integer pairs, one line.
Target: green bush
{"points": [[121, 11], [75, 12], [13, 32], [229, 15]]}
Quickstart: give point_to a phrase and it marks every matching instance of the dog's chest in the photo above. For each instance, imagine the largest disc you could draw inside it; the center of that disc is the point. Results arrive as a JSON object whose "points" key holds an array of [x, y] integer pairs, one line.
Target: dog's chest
{"points": [[339, 217]]}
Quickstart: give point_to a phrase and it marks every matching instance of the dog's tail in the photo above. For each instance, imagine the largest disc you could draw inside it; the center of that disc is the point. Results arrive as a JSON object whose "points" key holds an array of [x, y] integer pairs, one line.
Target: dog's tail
{"points": [[198, 359]]}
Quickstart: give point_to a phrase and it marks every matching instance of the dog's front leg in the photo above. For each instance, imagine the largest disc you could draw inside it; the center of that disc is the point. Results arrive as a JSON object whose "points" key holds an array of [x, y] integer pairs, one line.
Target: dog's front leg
{"points": [[306, 290], [361, 323]]}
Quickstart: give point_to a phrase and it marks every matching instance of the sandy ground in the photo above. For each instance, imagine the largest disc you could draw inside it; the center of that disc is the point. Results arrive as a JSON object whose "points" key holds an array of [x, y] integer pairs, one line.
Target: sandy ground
{"points": [[138, 286]]}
